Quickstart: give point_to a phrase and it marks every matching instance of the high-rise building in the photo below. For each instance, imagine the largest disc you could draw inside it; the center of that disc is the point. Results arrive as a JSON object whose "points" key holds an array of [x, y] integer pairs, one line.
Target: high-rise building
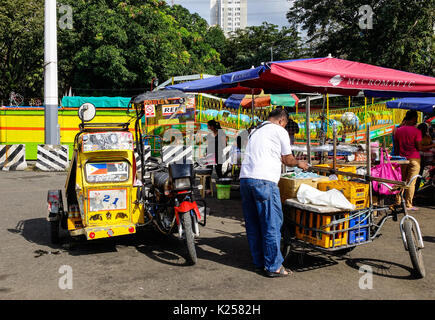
{"points": [[230, 15]]}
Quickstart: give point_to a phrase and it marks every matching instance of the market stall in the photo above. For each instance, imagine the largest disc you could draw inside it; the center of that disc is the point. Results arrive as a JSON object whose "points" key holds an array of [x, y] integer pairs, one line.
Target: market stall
{"points": [[336, 76]]}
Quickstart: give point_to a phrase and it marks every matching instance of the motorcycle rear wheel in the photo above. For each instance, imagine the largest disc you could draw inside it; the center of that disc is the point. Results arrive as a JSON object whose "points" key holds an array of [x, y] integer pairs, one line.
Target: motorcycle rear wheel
{"points": [[189, 238]]}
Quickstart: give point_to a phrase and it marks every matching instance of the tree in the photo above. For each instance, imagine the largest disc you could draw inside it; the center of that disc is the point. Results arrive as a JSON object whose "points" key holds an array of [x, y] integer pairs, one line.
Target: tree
{"points": [[21, 47], [402, 36], [115, 47], [203, 43], [256, 44], [122, 45]]}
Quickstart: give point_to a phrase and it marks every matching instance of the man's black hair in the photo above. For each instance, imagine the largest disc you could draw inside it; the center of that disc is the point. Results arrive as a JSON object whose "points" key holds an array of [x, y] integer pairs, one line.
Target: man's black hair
{"points": [[411, 114], [278, 113], [214, 124]]}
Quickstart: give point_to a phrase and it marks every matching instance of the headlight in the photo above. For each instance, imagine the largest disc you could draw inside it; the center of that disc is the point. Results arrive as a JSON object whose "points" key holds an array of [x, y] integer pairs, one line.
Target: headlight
{"points": [[182, 183]]}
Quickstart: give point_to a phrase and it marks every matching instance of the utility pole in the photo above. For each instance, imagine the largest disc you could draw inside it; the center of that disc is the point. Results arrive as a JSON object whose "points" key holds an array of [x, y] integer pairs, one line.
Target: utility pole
{"points": [[50, 74]]}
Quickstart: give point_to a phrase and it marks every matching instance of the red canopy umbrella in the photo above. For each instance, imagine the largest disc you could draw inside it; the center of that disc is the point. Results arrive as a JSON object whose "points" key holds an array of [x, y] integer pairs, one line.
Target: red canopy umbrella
{"points": [[337, 76]]}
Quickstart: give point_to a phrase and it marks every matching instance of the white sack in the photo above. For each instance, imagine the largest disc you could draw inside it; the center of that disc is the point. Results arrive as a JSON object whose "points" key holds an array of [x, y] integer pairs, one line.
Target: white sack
{"points": [[331, 198]]}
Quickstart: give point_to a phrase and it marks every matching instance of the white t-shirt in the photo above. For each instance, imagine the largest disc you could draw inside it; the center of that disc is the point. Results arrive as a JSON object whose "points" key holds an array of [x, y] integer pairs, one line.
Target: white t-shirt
{"points": [[262, 158]]}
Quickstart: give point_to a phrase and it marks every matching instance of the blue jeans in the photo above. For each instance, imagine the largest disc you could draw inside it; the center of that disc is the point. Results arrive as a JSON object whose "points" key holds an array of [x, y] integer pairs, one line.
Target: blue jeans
{"points": [[263, 219]]}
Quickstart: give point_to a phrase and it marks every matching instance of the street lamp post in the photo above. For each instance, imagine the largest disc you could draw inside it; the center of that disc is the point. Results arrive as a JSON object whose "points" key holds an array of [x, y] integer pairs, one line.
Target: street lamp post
{"points": [[50, 74]]}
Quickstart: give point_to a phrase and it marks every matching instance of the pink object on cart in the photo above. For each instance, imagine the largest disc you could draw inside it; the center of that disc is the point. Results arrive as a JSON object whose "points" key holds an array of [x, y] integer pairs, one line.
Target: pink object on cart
{"points": [[388, 170]]}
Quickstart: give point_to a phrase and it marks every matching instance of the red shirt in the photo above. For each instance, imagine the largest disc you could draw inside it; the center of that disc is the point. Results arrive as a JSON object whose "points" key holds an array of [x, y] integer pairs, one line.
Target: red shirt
{"points": [[407, 138]]}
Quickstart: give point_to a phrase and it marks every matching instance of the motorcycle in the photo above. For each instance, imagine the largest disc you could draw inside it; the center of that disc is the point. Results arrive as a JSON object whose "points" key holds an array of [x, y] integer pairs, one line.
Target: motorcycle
{"points": [[170, 202], [167, 191]]}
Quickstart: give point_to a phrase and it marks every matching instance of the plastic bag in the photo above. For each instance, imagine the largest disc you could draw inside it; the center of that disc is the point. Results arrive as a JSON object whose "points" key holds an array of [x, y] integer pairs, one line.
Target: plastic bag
{"points": [[331, 198], [390, 171]]}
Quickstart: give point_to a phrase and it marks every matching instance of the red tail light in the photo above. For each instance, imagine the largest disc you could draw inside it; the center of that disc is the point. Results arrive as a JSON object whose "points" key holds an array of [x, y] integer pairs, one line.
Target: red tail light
{"points": [[92, 235]]}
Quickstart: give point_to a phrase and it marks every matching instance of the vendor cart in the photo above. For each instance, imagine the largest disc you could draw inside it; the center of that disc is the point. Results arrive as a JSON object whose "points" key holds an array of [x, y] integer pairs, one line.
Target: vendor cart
{"points": [[337, 231]]}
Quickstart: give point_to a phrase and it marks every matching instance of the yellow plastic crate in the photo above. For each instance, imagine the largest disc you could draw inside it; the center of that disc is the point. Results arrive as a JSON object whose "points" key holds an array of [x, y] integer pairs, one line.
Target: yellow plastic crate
{"points": [[316, 221], [350, 169], [356, 193]]}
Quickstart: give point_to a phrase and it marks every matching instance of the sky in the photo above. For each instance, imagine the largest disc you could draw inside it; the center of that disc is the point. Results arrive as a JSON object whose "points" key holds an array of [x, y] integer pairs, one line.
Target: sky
{"points": [[272, 11]]}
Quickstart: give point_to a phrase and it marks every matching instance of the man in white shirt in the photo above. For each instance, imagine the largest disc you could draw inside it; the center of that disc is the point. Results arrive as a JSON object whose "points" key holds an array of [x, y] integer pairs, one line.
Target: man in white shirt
{"points": [[268, 147]]}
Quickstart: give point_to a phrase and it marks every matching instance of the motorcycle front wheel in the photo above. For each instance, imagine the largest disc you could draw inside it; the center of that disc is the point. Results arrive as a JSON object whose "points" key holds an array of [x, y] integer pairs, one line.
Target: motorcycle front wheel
{"points": [[189, 238]]}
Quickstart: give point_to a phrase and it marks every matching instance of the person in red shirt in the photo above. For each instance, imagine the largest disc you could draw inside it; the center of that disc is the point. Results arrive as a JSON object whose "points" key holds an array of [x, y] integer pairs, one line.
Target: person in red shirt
{"points": [[408, 139]]}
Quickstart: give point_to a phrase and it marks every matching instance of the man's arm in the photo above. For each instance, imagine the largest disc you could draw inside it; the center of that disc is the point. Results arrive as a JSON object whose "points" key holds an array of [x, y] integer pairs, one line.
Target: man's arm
{"points": [[290, 161]]}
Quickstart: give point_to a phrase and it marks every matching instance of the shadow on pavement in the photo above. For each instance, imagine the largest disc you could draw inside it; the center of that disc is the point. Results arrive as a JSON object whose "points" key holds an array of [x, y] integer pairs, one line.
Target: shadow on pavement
{"points": [[227, 248], [383, 268], [429, 239], [302, 260], [230, 249], [34, 230]]}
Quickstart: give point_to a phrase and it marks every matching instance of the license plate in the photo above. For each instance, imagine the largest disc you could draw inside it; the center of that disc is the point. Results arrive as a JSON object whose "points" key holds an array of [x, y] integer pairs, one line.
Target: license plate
{"points": [[103, 200]]}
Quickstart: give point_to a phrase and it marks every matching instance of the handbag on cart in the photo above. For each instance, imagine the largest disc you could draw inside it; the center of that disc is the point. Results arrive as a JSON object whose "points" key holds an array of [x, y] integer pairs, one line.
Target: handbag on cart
{"points": [[386, 170]]}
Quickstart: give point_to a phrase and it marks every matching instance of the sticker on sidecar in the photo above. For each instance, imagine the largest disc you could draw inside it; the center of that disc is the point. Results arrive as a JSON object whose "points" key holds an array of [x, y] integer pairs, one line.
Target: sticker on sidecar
{"points": [[109, 199]]}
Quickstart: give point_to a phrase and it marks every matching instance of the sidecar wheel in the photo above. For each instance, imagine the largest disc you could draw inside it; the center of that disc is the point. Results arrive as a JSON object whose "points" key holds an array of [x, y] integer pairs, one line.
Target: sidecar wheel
{"points": [[54, 232]]}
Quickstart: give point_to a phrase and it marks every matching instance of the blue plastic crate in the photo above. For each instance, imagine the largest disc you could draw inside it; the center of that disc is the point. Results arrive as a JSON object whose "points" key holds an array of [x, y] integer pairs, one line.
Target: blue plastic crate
{"points": [[359, 221], [358, 235]]}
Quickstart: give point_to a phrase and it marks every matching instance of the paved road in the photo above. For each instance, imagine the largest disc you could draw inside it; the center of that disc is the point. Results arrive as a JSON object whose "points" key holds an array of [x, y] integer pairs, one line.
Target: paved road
{"points": [[149, 266]]}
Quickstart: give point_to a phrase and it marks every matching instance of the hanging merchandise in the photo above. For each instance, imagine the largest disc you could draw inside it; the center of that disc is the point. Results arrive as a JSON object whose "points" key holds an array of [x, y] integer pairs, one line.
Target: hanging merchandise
{"points": [[389, 170]]}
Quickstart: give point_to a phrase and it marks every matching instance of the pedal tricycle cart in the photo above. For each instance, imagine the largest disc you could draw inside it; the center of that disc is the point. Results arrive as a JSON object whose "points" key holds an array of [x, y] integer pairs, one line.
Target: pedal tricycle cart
{"points": [[337, 231]]}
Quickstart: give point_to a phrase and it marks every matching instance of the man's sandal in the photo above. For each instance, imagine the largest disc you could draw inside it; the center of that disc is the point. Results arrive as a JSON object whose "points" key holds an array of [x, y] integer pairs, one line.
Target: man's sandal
{"points": [[280, 273]]}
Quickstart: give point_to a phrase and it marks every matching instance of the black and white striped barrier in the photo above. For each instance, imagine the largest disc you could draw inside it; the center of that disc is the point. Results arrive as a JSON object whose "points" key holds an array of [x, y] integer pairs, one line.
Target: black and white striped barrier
{"points": [[13, 157], [171, 154], [178, 154], [147, 154], [181, 154], [52, 157]]}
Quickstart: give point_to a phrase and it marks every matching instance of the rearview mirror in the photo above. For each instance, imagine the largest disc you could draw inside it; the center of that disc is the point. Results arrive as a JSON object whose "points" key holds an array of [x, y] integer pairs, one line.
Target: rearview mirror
{"points": [[87, 112]]}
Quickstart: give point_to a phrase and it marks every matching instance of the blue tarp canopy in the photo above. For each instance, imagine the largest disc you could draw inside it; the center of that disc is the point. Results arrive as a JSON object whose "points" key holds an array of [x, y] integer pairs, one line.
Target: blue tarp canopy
{"points": [[226, 83], [234, 101], [213, 83], [426, 105]]}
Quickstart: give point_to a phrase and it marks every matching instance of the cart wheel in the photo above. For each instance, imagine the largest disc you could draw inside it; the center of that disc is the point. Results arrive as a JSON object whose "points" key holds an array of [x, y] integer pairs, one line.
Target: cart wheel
{"points": [[414, 250], [54, 232]]}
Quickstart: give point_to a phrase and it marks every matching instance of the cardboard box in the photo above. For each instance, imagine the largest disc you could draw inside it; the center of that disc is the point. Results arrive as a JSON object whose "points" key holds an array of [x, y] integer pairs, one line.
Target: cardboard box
{"points": [[288, 187]]}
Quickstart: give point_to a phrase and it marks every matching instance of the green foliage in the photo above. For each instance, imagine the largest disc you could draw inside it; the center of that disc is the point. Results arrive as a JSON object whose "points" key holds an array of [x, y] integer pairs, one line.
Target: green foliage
{"points": [[21, 47], [114, 48], [124, 44], [402, 36]]}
